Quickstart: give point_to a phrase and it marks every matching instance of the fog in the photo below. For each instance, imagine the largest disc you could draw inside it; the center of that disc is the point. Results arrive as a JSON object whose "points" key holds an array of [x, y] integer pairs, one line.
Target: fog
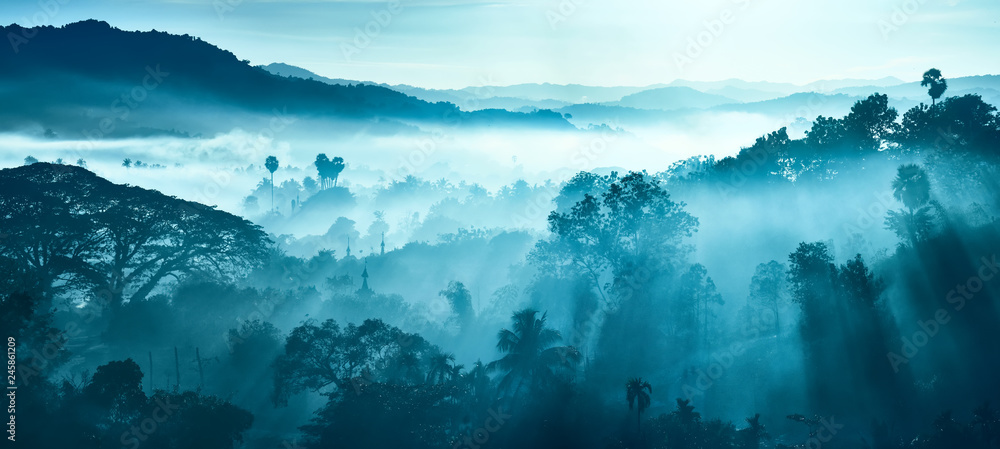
{"points": [[739, 263]]}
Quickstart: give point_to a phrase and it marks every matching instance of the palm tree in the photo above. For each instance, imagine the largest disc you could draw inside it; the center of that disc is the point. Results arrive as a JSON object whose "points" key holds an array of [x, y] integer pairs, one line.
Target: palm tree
{"points": [[271, 164], [530, 354], [336, 166], [127, 163], [936, 83], [638, 390], [911, 187], [322, 168], [755, 432], [440, 367]]}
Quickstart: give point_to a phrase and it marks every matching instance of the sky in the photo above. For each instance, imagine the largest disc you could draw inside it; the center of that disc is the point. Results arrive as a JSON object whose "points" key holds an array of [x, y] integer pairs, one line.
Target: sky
{"points": [[460, 43]]}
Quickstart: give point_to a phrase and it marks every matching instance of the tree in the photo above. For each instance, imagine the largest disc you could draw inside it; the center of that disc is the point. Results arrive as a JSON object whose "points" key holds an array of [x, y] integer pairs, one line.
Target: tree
{"points": [[322, 163], [530, 352], [753, 434], [698, 292], [127, 162], [309, 184], [441, 367], [117, 388], [321, 356], [272, 165], [859, 285], [768, 289], [810, 276], [935, 83], [28, 160], [637, 391], [633, 227], [117, 242], [336, 166], [870, 122], [328, 169], [912, 188], [460, 300]]}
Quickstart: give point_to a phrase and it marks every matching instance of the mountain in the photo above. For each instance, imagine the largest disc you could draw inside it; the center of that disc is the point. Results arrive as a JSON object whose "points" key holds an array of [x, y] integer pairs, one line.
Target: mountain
{"points": [[469, 99], [671, 98], [88, 78]]}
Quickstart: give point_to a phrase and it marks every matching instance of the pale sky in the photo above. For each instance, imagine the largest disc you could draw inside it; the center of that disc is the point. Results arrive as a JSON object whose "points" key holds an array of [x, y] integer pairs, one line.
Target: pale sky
{"points": [[458, 43]]}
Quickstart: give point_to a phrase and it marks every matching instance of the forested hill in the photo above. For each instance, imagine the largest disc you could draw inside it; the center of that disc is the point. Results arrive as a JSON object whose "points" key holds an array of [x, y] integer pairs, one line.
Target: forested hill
{"points": [[60, 77]]}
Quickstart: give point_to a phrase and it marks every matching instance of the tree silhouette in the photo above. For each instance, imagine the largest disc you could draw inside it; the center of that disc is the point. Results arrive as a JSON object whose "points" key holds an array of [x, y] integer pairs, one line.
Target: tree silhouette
{"points": [[912, 188], [440, 367], [754, 433], [460, 299], [322, 355], [322, 163], [328, 169], [637, 392], [336, 166], [118, 242], [768, 289], [634, 224], [127, 162], [530, 354], [272, 165], [935, 83]]}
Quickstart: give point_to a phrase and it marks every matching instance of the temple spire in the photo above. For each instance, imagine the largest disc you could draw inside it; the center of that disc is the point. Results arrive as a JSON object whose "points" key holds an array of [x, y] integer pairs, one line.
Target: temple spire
{"points": [[365, 290], [383, 244]]}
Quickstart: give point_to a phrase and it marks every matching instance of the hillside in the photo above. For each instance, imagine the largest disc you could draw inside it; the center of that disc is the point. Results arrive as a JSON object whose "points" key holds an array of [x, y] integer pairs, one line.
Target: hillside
{"points": [[159, 81]]}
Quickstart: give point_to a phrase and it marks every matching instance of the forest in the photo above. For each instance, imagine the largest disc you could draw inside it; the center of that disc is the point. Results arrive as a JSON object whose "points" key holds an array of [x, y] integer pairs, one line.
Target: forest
{"points": [[763, 300]]}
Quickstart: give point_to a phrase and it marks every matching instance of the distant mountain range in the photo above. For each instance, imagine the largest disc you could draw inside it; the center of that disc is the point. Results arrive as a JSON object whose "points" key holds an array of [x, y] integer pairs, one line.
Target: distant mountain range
{"points": [[89, 78], [631, 103]]}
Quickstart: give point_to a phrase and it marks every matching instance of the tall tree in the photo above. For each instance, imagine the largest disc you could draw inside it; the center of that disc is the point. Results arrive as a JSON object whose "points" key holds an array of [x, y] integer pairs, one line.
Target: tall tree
{"points": [[272, 165], [637, 392], [530, 352], [336, 166], [633, 227], [911, 187], [118, 241], [935, 83], [768, 289], [322, 164], [460, 299]]}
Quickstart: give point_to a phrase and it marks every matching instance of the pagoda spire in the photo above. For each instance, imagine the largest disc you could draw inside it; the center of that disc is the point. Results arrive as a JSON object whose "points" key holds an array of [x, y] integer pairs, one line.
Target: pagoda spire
{"points": [[383, 244], [365, 290]]}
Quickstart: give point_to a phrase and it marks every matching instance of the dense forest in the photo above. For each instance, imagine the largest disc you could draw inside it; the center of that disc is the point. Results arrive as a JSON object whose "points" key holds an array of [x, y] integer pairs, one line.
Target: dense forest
{"points": [[142, 320]]}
